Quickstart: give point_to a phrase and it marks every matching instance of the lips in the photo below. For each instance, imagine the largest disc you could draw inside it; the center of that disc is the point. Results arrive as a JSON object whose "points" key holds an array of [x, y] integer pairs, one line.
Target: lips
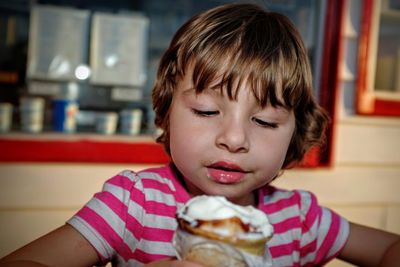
{"points": [[225, 173]]}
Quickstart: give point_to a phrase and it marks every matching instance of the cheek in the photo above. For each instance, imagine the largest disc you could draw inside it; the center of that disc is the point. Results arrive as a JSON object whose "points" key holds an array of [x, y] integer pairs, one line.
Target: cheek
{"points": [[181, 134], [185, 148], [275, 149]]}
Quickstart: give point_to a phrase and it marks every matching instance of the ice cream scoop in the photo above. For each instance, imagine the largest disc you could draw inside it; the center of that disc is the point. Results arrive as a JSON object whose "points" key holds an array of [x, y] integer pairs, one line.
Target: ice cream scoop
{"points": [[216, 231]]}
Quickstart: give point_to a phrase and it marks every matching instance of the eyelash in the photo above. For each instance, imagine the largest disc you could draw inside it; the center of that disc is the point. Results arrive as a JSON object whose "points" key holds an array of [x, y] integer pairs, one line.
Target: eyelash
{"points": [[208, 113], [205, 113], [265, 124]]}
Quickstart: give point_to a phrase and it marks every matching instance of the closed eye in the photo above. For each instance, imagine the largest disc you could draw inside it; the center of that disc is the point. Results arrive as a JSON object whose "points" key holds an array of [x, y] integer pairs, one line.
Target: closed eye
{"points": [[205, 113], [265, 124]]}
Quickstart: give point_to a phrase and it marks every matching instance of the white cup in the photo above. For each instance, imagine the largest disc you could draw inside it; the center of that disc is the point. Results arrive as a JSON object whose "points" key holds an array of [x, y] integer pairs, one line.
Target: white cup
{"points": [[5, 117], [131, 121], [106, 123], [32, 112]]}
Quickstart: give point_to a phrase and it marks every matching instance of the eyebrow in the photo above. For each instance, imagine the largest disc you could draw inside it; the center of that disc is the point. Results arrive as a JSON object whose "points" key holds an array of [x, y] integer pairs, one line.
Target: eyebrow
{"points": [[283, 110], [188, 91], [207, 91]]}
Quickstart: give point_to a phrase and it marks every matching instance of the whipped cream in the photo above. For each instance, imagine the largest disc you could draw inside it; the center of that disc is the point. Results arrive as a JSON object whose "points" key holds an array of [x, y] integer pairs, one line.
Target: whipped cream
{"points": [[207, 208]]}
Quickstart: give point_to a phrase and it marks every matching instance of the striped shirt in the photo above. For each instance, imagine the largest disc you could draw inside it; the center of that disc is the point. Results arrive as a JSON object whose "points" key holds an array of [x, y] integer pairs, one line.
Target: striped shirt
{"points": [[131, 222]]}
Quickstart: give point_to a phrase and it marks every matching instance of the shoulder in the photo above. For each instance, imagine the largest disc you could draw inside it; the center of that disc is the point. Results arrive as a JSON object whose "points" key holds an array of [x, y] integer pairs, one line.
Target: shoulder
{"points": [[152, 178], [319, 233], [271, 195], [146, 185], [300, 207]]}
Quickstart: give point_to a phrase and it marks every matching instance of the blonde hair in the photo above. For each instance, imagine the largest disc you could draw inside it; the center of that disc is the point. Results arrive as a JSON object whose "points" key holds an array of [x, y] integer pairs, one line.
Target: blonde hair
{"points": [[260, 46]]}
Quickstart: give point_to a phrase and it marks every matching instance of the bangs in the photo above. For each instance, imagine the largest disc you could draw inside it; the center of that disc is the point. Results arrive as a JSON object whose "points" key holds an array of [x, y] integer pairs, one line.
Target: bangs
{"points": [[228, 74], [231, 54]]}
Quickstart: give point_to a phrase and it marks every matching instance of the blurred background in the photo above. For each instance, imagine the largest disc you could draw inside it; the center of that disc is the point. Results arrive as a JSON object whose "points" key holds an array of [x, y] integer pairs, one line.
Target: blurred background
{"points": [[102, 56], [75, 103]]}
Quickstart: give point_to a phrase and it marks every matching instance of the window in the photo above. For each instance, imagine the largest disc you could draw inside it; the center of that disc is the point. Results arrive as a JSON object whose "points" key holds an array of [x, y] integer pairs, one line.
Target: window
{"points": [[378, 85]]}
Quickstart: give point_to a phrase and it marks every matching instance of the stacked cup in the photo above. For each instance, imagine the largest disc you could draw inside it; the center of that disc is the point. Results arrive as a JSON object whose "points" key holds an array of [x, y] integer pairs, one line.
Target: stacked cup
{"points": [[32, 113], [5, 117], [131, 120], [106, 122]]}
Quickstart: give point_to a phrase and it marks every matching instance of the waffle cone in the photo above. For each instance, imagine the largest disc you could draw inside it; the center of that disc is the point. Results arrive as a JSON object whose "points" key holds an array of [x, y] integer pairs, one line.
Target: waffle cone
{"points": [[252, 246]]}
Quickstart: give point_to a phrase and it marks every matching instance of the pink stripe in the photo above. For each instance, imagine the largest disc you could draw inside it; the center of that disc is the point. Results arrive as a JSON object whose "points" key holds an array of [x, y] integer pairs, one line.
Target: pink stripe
{"points": [[330, 237], [181, 195], [113, 203], [313, 213], [266, 191], [310, 247], [137, 196], [104, 229], [134, 226], [121, 181], [154, 184], [157, 234], [273, 207], [114, 240], [146, 257], [286, 225], [284, 249], [161, 209]]}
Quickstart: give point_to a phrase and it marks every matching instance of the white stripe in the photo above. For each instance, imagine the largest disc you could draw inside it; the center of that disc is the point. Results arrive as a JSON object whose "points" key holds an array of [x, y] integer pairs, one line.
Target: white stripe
{"points": [[276, 196], [157, 177], [117, 191], [305, 203], [108, 214], [310, 235], [324, 226], [159, 197], [341, 238], [157, 247], [286, 260], [160, 222], [115, 222], [119, 261], [284, 214], [130, 175], [136, 210], [132, 263], [310, 257], [285, 238]]}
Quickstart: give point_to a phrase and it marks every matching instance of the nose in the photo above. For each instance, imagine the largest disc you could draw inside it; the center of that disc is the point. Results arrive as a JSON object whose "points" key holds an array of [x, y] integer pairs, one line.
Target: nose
{"points": [[233, 137]]}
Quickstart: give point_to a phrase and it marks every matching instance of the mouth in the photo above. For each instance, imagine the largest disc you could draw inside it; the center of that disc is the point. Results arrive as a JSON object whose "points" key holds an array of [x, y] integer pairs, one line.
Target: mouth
{"points": [[226, 173], [226, 167]]}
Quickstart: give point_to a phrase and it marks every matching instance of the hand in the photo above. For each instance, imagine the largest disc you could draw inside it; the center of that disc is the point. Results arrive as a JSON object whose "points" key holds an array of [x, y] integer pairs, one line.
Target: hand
{"points": [[173, 262]]}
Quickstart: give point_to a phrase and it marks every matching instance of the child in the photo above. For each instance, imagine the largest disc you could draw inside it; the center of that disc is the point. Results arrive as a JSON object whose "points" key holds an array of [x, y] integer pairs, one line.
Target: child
{"points": [[233, 97]]}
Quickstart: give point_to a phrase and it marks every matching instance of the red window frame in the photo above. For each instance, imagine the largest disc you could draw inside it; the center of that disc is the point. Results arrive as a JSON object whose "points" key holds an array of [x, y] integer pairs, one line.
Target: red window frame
{"points": [[368, 103], [330, 79]]}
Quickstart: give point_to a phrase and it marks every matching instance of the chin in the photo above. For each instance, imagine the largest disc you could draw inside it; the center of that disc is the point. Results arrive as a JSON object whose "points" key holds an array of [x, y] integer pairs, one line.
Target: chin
{"points": [[240, 198]]}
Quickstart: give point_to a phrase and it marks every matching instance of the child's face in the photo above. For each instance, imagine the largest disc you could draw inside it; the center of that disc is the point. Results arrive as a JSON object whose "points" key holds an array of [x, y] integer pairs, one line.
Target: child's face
{"points": [[227, 147]]}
